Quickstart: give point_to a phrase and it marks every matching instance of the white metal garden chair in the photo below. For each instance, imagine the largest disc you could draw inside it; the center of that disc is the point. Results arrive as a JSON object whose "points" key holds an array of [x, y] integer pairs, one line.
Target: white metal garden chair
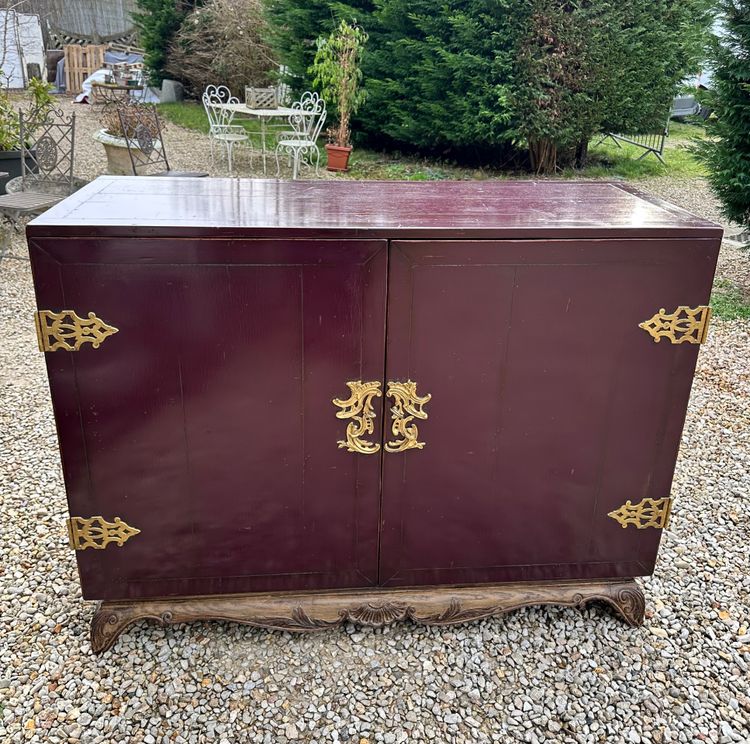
{"points": [[301, 142], [221, 129]]}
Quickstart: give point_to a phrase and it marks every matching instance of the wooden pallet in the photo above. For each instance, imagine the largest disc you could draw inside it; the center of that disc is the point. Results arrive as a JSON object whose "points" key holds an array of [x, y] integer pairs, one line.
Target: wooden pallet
{"points": [[80, 62]]}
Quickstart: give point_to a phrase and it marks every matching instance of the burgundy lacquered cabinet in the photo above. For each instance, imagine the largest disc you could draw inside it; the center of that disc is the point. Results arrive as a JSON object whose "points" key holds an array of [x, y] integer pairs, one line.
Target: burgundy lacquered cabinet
{"points": [[299, 404]]}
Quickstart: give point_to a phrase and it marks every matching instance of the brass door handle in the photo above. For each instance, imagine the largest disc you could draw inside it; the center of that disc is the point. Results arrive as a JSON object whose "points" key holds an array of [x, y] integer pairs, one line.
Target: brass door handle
{"points": [[358, 408], [407, 406]]}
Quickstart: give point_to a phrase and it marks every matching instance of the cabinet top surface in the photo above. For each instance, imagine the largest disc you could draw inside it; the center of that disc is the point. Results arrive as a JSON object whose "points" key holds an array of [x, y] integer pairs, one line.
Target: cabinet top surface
{"points": [[213, 207]]}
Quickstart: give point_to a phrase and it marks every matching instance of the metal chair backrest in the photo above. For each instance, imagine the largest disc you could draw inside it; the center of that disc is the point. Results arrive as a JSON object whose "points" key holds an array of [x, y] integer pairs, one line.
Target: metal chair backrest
{"points": [[141, 129], [309, 116], [219, 118], [283, 94], [47, 150]]}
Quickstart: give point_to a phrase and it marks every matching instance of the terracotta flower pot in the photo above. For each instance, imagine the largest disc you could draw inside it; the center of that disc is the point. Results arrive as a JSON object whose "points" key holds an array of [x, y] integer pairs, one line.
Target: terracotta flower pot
{"points": [[338, 157]]}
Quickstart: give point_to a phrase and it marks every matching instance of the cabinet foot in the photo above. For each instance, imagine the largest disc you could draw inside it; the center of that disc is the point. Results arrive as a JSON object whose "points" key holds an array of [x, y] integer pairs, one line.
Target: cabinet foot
{"points": [[311, 611]]}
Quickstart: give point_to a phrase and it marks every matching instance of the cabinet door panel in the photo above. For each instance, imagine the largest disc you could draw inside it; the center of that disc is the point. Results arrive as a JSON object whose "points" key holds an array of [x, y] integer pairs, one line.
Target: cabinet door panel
{"points": [[550, 406], [207, 421]]}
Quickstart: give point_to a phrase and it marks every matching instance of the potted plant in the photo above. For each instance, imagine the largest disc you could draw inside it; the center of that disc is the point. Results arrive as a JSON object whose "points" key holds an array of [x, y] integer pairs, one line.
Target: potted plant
{"points": [[338, 74], [112, 137], [10, 136]]}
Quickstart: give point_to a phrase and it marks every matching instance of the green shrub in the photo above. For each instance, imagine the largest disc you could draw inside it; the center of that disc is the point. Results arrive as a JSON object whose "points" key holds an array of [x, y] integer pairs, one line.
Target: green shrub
{"points": [[157, 22], [35, 112], [438, 76], [727, 151]]}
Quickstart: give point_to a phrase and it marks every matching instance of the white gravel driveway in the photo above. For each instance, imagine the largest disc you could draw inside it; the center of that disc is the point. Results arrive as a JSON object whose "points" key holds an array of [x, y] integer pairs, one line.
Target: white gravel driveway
{"points": [[535, 675]]}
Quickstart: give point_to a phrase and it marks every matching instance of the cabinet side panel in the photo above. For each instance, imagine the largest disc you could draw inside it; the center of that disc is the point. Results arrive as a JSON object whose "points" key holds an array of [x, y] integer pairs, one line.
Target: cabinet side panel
{"points": [[49, 292]]}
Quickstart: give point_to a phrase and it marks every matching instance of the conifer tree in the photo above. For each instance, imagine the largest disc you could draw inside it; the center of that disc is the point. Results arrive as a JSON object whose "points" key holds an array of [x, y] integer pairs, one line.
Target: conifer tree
{"points": [[727, 151], [157, 22], [296, 25]]}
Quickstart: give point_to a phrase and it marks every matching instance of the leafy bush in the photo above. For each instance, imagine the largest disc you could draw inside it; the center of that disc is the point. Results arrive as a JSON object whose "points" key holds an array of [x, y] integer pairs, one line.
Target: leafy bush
{"points": [[35, 112], [727, 152], [656, 44], [223, 43]]}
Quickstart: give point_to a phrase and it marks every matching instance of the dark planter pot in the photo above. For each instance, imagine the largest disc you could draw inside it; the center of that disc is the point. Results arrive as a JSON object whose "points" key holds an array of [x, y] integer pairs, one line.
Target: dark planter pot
{"points": [[10, 163], [338, 157]]}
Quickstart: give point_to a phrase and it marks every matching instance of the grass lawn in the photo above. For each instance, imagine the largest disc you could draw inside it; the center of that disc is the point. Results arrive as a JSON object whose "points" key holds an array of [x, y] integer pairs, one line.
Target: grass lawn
{"points": [[606, 160], [728, 301], [190, 115]]}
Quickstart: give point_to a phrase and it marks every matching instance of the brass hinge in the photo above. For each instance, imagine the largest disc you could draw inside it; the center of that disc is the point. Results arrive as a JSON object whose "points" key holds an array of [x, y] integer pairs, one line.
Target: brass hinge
{"points": [[646, 513], [97, 533], [67, 331], [685, 324]]}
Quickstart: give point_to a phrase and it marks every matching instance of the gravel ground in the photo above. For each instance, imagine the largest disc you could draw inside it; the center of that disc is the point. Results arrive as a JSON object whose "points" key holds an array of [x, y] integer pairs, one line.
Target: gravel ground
{"points": [[536, 675]]}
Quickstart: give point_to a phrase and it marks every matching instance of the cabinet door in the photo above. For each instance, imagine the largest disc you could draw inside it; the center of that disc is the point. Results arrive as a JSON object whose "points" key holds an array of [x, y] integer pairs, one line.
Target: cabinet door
{"points": [[206, 422], [550, 407]]}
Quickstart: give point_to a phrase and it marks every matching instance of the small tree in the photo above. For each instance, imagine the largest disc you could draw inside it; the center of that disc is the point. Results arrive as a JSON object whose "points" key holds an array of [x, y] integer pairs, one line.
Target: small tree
{"points": [[585, 66], [727, 151], [338, 73], [554, 82]]}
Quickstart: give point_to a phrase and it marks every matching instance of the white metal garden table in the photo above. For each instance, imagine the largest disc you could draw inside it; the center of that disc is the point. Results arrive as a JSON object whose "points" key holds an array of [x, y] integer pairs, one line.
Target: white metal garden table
{"points": [[264, 116]]}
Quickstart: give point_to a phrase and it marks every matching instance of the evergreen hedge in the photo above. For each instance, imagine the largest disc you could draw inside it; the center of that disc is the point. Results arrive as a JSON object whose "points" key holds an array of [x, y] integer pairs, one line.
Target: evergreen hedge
{"points": [[727, 151], [453, 76]]}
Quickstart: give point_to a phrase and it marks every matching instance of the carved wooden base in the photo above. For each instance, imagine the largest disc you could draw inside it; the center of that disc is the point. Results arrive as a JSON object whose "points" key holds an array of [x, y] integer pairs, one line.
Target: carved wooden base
{"points": [[305, 612]]}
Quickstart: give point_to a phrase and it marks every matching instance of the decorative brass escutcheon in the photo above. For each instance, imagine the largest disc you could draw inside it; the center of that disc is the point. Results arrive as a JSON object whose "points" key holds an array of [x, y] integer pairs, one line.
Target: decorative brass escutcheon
{"points": [[97, 533], [407, 406], [67, 331], [684, 325], [646, 513], [358, 408]]}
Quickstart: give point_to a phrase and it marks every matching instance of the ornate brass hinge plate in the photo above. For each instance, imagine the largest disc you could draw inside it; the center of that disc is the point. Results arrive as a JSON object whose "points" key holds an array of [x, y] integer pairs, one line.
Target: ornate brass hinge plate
{"points": [[97, 533], [406, 407], [646, 513], [66, 330], [684, 325], [358, 408]]}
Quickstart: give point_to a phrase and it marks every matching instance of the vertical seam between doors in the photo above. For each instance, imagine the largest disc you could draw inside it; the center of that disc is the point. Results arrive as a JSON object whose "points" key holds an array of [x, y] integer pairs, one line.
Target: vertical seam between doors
{"points": [[386, 308]]}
